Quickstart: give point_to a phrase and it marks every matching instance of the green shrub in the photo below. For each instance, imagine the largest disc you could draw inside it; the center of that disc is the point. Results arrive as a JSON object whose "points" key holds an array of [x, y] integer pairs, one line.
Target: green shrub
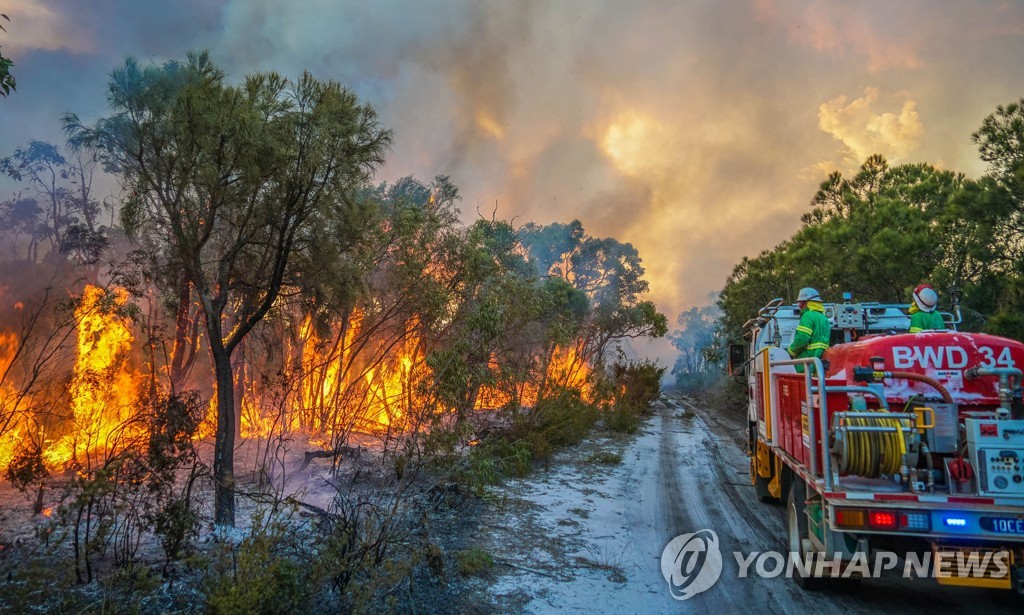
{"points": [[441, 442], [260, 575], [637, 382], [474, 562], [560, 419], [626, 392], [497, 459], [624, 417], [175, 524]]}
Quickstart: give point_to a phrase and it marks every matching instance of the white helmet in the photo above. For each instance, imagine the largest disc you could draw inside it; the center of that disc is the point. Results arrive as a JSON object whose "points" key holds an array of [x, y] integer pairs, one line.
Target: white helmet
{"points": [[808, 294], [926, 298]]}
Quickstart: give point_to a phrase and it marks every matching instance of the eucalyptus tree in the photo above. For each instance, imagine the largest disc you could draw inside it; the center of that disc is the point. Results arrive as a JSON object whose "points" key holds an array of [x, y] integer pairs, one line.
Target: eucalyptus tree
{"points": [[233, 183], [610, 273]]}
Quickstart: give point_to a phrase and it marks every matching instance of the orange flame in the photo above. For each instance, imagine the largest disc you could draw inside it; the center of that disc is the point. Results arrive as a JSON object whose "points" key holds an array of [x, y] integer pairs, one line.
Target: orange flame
{"points": [[345, 383], [566, 368], [104, 390], [8, 400]]}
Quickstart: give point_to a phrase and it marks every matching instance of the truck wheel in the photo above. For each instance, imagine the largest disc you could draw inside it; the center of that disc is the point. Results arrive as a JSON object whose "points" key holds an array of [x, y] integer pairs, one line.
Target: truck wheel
{"points": [[796, 531]]}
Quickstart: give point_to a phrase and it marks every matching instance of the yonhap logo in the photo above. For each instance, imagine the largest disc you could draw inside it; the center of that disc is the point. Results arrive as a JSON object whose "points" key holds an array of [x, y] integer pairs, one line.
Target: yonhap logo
{"points": [[691, 563]]}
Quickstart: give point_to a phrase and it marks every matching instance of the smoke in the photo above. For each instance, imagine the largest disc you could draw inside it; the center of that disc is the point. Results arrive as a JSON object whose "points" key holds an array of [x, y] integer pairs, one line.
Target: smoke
{"points": [[864, 132], [696, 131]]}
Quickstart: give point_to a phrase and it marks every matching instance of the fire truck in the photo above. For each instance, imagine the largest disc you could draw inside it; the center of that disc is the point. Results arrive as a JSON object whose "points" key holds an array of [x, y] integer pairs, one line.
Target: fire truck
{"points": [[907, 443]]}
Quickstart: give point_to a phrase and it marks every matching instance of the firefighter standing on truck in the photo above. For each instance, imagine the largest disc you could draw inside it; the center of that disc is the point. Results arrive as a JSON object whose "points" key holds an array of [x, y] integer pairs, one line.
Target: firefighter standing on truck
{"points": [[813, 333], [923, 316]]}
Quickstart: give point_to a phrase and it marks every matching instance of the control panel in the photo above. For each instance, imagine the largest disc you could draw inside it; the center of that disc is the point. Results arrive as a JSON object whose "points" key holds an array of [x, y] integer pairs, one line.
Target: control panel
{"points": [[997, 450], [849, 316]]}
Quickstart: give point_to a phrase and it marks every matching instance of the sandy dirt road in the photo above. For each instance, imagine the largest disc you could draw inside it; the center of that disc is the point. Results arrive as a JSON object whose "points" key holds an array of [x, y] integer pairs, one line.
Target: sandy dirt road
{"points": [[588, 538]]}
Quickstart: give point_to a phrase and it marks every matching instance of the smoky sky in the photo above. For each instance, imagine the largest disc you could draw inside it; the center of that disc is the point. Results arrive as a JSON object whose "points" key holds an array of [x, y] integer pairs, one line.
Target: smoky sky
{"points": [[697, 131]]}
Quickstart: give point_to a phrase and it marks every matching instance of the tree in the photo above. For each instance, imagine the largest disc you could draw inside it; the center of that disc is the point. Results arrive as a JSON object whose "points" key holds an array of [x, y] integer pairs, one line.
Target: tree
{"points": [[492, 292], [998, 200], [7, 82], [609, 272], [238, 180], [58, 205], [696, 340], [1000, 141]]}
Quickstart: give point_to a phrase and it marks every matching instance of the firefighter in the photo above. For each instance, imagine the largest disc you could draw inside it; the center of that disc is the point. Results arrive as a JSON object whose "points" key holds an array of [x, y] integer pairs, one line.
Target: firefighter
{"points": [[813, 333], [923, 316]]}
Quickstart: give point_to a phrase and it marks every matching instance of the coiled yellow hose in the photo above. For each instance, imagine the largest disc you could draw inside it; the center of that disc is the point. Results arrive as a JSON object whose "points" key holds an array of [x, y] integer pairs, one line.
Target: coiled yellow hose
{"points": [[872, 453]]}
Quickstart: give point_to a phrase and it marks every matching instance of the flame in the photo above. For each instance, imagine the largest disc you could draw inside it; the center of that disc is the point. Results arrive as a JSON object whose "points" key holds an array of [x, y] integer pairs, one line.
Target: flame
{"points": [[390, 386], [364, 376], [351, 380], [8, 399], [567, 367], [104, 390]]}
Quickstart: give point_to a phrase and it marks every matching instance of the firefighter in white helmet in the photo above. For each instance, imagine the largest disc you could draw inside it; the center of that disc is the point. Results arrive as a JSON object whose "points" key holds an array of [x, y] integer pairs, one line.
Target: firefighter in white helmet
{"points": [[812, 334], [923, 316]]}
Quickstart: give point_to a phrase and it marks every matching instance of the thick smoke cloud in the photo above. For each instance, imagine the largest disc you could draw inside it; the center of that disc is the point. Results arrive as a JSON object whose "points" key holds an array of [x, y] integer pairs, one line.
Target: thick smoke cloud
{"points": [[695, 130], [865, 132]]}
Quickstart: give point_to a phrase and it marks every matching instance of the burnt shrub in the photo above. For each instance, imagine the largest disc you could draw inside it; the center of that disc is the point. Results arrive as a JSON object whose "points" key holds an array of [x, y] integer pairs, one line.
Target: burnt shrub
{"points": [[366, 546]]}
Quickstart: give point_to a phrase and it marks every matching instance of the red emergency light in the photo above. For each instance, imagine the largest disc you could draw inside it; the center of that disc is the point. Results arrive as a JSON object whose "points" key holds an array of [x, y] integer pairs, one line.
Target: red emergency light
{"points": [[882, 520]]}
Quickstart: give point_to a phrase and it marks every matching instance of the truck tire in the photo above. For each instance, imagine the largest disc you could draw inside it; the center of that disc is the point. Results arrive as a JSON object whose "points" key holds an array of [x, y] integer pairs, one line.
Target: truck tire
{"points": [[796, 525]]}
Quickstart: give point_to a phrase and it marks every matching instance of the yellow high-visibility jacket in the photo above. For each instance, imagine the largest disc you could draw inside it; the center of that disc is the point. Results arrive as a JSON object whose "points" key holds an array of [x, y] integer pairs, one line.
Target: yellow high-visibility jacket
{"points": [[812, 334]]}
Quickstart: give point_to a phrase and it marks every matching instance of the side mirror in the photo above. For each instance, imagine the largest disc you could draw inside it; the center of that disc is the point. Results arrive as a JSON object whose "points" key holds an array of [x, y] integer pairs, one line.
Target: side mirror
{"points": [[737, 358]]}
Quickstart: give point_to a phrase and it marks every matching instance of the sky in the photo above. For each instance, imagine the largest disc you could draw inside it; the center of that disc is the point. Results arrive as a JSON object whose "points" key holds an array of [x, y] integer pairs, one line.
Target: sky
{"points": [[698, 131]]}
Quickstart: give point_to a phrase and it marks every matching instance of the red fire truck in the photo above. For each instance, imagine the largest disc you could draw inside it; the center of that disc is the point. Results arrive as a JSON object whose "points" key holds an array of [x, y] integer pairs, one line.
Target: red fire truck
{"points": [[911, 444]]}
